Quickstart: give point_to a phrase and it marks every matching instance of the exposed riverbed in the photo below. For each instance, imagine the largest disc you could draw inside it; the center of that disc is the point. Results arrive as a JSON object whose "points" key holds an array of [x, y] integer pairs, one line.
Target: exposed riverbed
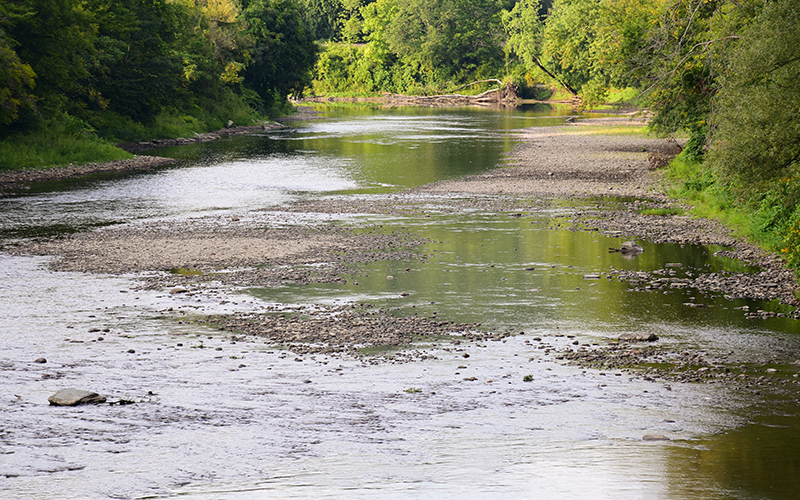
{"points": [[302, 313]]}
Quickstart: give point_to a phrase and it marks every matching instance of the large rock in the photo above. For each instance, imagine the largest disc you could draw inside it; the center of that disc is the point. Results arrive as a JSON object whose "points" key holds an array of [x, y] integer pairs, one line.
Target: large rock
{"points": [[631, 248], [74, 397]]}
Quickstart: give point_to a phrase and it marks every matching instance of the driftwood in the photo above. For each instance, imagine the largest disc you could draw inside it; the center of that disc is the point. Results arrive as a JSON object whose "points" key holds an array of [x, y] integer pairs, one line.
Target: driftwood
{"points": [[500, 95]]}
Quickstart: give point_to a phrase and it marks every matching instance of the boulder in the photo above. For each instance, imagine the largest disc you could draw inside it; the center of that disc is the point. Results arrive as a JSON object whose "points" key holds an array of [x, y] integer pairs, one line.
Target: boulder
{"points": [[655, 437], [74, 397], [630, 247]]}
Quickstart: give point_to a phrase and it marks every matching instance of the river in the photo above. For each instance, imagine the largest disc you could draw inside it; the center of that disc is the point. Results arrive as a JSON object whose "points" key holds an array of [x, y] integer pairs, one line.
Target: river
{"points": [[219, 419]]}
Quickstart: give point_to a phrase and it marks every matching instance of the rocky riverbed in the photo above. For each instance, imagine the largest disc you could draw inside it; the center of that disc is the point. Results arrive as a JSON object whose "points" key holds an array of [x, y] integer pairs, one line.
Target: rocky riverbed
{"points": [[550, 165]]}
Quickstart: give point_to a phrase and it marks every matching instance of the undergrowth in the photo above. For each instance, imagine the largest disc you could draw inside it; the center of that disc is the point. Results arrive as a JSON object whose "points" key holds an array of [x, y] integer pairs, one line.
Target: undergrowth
{"points": [[771, 218], [59, 141]]}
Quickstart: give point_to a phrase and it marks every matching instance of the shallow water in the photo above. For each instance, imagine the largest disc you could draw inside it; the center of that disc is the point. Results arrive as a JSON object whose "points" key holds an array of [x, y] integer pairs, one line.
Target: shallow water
{"points": [[251, 421]]}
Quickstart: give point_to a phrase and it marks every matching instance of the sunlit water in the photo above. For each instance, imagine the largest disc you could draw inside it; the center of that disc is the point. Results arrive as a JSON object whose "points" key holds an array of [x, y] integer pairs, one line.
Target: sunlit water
{"points": [[217, 419]]}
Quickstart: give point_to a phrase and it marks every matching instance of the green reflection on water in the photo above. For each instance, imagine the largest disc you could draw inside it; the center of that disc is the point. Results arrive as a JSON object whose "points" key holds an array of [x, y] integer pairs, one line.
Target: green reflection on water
{"points": [[518, 273], [385, 150], [757, 461]]}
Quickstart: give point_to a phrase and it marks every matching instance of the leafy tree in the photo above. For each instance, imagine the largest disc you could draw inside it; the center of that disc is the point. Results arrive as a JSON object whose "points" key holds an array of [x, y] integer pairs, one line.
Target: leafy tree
{"points": [[54, 38], [448, 38], [324, 18], [524, 26], [284, 52], [680, 60], [757, 136], [136, 71], [16, 83]]}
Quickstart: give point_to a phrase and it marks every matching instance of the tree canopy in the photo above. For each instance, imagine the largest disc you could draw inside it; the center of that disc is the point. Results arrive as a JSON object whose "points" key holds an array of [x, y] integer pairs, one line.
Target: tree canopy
{"points": [[107, 61]]}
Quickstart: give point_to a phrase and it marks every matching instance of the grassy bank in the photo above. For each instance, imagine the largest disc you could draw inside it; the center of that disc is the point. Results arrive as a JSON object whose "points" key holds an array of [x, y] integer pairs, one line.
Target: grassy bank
{"points": [[64, 139], [770, 218], [58, 141]]}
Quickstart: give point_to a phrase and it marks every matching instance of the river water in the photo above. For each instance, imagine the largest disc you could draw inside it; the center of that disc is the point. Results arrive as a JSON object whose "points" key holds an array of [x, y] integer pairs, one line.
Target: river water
{"points": [[218, 419]]}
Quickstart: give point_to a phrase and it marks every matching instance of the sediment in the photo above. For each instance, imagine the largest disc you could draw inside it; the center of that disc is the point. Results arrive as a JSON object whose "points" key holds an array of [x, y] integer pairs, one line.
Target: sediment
{"points": [[618, 173]]}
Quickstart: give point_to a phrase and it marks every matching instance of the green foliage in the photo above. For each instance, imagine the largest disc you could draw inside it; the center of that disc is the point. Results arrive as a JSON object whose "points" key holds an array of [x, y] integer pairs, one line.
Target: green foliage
{"points": [[324, 18], [284, 53], [16, 83], [415, 47], [447, 39], [757, 137], [139, 69], [59, 140]]}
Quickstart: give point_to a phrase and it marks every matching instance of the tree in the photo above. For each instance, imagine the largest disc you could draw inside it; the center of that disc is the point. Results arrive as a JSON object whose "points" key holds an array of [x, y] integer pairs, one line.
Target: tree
{"points": [[135, 70], [17, 78], [448, 38], [324, 18], [53, 38], [284, 52], [524, 26], [757, 133]]}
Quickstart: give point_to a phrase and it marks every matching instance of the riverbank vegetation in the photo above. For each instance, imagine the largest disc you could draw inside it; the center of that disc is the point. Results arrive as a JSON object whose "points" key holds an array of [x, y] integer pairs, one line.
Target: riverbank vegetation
{"points": [[99, 72], [721, 72]]}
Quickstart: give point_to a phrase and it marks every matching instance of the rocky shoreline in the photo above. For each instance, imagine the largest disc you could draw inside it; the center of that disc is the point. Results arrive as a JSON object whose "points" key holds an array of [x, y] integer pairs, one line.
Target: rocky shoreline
{"points": [[20, 179], [616, 171]]}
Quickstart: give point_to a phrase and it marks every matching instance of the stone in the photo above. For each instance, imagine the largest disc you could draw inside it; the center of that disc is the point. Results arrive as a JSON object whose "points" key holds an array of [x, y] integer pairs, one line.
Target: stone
{"points": [[40, 360], [655, 437], [638, 337], [630, 247], [74, 397], [178, 289]]}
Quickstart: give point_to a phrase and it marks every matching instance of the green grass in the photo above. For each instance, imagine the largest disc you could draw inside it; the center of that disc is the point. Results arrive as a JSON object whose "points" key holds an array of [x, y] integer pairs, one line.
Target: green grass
{"points": [[64, 139], [634, 130], [622, 96], [57, 142], [695, 183]]}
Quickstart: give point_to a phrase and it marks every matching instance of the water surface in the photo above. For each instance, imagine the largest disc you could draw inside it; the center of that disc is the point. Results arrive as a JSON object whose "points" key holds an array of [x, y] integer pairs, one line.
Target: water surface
{"points": [[219, 418]]}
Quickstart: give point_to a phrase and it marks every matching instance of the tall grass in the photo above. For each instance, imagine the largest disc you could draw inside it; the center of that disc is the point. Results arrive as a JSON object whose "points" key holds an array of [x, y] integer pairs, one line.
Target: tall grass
{"points": [[61, 140], [771, 219]]}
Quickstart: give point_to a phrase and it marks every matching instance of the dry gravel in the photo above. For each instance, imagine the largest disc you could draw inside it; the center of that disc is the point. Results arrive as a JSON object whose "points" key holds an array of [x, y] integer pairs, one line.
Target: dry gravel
{"points": [[569, 161]]}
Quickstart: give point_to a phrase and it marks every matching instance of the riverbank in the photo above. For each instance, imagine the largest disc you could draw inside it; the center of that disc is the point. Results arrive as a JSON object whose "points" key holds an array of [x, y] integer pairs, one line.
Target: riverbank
{"points": [[18, 179]]}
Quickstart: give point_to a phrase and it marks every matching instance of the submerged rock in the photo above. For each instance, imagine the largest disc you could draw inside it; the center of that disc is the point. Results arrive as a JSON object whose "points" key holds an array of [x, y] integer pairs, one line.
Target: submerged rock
{"points": [[638, 337], [74, 397]]}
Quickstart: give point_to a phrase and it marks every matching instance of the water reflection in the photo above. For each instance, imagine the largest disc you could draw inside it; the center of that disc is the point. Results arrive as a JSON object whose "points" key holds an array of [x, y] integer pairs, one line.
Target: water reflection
{"points": [[752, 462], [517, 274], [221, 418], [376, 152]]}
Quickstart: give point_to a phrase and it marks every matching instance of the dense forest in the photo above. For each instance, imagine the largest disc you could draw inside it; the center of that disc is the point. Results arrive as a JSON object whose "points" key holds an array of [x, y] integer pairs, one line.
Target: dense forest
{"points": [[78, 75], [128, 70]]}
